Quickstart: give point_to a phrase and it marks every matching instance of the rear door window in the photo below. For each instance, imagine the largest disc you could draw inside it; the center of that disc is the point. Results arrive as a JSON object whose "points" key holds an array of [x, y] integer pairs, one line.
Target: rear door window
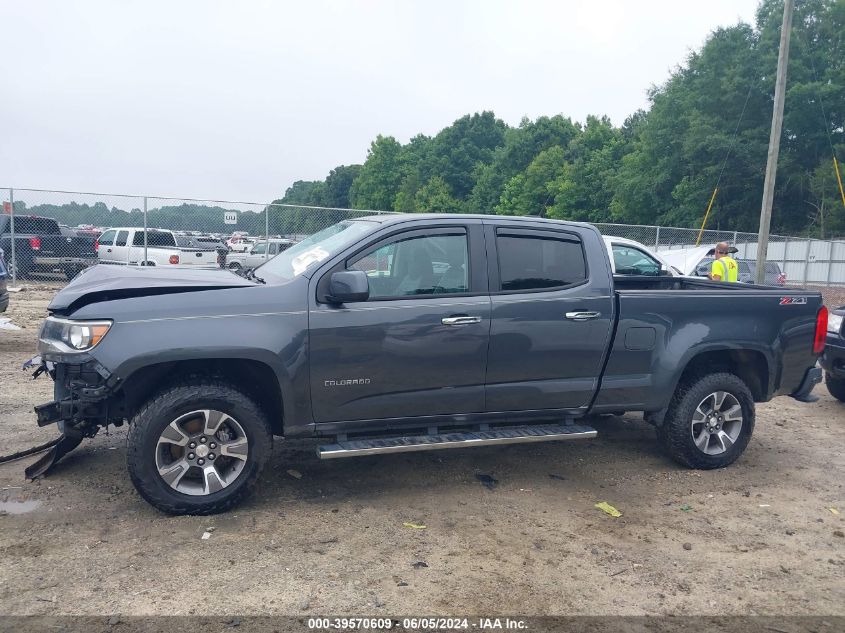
{"points": [[154, 238], [37, 226], [541, 260], [122, 236]]}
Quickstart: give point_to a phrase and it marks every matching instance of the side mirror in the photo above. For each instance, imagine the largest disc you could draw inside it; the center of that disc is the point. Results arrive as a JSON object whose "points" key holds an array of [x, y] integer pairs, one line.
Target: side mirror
{"points": [[348, 286]]}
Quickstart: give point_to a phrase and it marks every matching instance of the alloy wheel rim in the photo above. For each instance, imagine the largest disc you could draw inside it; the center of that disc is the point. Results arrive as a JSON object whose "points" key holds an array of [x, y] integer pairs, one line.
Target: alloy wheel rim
{"points": [[201, 452], [716, 423]]}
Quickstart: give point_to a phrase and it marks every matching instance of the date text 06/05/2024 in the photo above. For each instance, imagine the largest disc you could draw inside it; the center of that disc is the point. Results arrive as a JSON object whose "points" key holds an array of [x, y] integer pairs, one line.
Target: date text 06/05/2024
{"points": [[418, 624]]}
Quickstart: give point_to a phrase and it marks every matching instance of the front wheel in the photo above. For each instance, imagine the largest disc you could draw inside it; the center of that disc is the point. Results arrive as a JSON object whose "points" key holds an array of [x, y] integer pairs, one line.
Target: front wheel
{"points": [[198, 447], [709, 421], [836, 386]]}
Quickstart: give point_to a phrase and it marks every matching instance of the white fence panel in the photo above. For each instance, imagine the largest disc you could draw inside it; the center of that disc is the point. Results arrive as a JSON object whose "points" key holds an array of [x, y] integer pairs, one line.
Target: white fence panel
{"points": [[838, 253], [796, 250], [819, 250]]}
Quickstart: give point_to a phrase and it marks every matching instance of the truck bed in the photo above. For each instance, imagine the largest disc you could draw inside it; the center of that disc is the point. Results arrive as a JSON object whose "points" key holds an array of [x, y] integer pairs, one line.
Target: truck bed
{"points": [[722, 320]]}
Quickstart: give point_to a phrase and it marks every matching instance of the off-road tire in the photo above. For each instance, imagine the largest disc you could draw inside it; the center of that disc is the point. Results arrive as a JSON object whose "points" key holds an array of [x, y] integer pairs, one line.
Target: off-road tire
{"points": [[836, 386], [676, 434], [159, 411]]}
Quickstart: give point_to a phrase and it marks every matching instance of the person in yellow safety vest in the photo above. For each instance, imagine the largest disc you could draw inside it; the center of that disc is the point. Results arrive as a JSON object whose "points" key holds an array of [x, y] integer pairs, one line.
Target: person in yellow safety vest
{"points": [[724, 266]]}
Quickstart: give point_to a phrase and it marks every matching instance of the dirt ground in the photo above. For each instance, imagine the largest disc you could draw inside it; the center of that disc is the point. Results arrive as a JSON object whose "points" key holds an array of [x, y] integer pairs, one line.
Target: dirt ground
{"points": [[756, 538]]}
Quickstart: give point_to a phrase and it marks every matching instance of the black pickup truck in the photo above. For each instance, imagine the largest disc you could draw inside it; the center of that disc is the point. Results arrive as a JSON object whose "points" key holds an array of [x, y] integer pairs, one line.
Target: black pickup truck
{"points": [[41, 246], [411, 332]]}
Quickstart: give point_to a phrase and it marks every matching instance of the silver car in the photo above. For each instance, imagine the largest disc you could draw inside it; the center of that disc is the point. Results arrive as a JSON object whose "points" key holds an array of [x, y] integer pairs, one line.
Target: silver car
{"points": [[262, 251]]}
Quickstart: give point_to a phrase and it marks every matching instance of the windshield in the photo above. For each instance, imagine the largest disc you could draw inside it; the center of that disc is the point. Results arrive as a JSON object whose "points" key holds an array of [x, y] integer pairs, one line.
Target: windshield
{"points": [[314, 249]]}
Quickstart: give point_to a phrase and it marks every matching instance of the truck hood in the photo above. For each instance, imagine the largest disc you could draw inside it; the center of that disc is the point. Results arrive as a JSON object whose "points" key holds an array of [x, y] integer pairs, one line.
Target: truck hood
{"points": [[106, 282]]}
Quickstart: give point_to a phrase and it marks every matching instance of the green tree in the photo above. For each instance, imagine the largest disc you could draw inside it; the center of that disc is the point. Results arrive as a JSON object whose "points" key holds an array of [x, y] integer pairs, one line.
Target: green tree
{"points": [[679, 147], [585, 189], [532, 192], [436, 197], [377, 183], [305, 192], [338, 185], [521, 146], [457, 150]]}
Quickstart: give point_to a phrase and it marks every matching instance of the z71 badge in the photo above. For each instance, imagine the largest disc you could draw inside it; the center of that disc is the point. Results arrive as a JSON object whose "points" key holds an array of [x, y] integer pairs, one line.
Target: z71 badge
{"points": [[793, 301]]}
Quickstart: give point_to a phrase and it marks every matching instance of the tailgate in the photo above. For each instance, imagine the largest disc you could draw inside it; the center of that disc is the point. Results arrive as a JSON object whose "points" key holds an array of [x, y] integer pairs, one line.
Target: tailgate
{"points": [[198, 257], [62, 246]]}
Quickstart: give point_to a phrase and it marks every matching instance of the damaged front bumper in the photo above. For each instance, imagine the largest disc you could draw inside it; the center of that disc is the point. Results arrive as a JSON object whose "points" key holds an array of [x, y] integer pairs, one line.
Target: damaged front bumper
{"points": [[84, 392]]}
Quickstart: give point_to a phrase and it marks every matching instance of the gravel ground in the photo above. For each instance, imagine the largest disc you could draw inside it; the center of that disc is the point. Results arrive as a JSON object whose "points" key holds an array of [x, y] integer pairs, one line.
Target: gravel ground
{"points": [[757, 538]]}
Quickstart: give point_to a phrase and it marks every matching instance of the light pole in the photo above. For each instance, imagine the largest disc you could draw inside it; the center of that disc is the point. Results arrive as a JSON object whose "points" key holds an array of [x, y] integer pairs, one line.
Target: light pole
{"points": [[774, 144]]}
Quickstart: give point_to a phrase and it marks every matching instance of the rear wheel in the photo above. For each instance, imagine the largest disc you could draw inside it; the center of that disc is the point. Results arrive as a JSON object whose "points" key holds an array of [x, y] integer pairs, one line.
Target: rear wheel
{"points": [[198, 447], [836, 386], [709, 421]]}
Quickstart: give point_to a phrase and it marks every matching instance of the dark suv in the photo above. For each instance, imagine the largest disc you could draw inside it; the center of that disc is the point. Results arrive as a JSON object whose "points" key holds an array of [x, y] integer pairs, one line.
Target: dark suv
{"points": [[833, 360]]}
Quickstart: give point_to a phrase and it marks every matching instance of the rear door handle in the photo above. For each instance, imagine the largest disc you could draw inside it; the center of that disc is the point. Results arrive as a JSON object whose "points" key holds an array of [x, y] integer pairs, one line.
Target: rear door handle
{"points": [[582, 316], [461, 320]]}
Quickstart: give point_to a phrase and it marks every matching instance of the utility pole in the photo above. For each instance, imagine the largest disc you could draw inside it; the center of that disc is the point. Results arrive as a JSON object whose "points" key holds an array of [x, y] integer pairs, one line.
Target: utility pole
{"points": [[774, 143]]}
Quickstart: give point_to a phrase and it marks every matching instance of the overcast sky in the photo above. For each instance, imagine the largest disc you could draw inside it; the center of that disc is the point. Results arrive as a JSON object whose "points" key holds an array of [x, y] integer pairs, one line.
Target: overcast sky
{"points": [[236, 100]]}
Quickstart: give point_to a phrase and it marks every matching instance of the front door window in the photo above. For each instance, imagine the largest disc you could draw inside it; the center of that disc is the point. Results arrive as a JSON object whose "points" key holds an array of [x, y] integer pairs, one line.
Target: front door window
{"points": [[422, 265]]}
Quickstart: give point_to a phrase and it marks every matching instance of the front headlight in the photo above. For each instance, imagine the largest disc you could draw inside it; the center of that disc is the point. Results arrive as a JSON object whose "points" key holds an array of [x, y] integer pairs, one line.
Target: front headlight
{"points": [[834, 323], [66, 335]]}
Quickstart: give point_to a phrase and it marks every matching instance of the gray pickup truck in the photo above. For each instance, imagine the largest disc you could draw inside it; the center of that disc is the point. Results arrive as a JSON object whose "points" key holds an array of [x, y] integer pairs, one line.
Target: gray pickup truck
{"points": [[411, 332]]}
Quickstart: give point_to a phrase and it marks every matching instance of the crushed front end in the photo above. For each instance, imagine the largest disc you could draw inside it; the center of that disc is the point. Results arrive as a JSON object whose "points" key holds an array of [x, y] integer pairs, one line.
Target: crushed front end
{"points": [[84, 390]]}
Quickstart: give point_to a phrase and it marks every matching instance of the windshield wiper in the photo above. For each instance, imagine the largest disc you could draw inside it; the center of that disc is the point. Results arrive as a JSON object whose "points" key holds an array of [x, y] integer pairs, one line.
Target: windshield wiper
{"points": [[250, 274]]}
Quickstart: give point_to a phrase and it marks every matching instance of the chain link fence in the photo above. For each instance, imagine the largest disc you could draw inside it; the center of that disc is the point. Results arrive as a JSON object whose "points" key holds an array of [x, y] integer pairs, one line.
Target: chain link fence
{"points": [[51, 235]]}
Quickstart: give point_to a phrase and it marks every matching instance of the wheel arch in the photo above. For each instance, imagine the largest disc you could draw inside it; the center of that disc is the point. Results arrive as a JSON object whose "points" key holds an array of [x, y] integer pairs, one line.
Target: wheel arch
{"points": [[254, 377], [752, 366]]}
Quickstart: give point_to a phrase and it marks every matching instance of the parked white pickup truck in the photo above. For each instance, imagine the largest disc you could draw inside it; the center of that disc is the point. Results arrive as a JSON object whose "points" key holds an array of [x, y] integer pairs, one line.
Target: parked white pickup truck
{"points": [[126, 246]]}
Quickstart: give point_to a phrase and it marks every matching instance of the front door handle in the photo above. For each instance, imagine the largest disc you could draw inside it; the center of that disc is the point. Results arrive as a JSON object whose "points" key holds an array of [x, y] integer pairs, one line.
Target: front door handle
{"points": [[461, 320], [108, 250], [582, 316]]}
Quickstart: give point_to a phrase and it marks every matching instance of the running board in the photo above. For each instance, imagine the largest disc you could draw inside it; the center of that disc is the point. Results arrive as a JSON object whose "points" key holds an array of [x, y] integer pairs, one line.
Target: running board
{"points": [[463, 439]]}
